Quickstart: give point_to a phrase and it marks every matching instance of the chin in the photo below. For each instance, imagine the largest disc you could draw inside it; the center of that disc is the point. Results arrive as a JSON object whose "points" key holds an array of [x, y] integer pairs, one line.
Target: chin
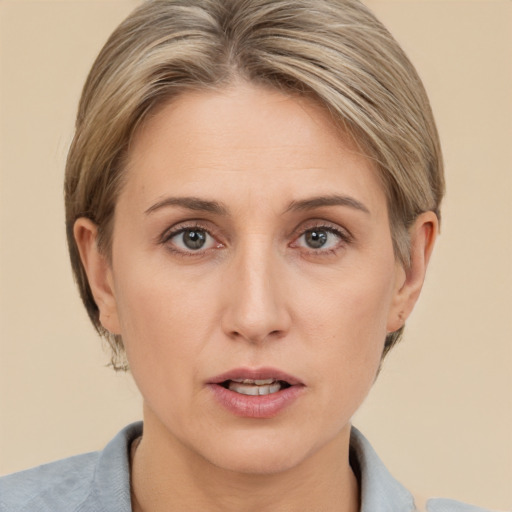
{"points": [[256, 462], [258, 454]]}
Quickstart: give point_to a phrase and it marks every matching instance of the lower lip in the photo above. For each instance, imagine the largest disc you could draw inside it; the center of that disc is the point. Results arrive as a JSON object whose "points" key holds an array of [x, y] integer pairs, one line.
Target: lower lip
{"points": [[261, 406]]}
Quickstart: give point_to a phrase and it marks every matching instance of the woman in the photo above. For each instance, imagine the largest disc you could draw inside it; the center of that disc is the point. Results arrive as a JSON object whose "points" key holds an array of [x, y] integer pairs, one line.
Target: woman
{"points": [[252, 198]]}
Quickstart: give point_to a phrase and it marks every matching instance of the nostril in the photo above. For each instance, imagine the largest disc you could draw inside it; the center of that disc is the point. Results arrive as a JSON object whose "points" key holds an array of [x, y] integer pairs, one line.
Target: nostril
{"points": [[276, 334]]}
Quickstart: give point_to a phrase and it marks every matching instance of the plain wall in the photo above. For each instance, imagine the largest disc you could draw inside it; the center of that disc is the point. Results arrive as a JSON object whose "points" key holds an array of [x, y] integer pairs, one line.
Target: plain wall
{"points": [[440, 414]]}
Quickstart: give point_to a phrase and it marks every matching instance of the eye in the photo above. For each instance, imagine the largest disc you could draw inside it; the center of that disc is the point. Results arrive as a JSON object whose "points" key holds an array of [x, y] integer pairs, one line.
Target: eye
{"points": [[317, 238], [321, 239], [192, 239]]}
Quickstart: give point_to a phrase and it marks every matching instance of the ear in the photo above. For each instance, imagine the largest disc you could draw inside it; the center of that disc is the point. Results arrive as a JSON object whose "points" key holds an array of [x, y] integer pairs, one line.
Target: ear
{"points": [[422, 234], [99, 273]]}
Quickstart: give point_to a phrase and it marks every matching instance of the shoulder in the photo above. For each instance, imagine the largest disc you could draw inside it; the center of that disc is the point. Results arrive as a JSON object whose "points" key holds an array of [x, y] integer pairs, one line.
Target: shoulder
{"points": [[92, 482], [447, 505], [381, 492], [49, 487]]}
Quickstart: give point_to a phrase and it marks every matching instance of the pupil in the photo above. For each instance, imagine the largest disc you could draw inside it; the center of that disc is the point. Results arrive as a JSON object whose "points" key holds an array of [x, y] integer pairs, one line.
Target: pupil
{"points": [[316, 238], [194, 239]]}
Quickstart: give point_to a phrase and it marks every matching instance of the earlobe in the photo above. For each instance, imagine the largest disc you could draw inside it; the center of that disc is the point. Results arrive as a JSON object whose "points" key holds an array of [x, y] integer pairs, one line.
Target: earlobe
{"points": [[99, 273], [423, 234]]}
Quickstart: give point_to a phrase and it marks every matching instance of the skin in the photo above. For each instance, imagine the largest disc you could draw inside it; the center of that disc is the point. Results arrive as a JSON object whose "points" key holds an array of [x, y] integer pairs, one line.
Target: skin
{"points": [[257, 294]]}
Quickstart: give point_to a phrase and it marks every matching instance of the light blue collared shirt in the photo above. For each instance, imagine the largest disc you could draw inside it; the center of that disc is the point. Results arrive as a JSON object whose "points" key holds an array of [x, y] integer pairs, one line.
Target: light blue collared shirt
{"points": [[100, 482]]}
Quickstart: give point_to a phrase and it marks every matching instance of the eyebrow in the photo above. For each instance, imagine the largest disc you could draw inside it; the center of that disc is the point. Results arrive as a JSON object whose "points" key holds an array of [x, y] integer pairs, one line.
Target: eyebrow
{"points": [[331, 200], [191, 203], [204, 205]]}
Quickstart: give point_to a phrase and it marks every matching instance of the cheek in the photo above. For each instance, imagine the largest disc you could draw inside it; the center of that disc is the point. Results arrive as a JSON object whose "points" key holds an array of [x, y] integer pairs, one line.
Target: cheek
{"points": [[345, 325], [165, 317], [165, 324], [351, 307]]}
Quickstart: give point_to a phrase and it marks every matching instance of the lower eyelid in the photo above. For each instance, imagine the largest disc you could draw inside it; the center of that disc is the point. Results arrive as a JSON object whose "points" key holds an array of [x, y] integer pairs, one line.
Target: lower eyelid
{"points": [[179, 248], [343, 239]]}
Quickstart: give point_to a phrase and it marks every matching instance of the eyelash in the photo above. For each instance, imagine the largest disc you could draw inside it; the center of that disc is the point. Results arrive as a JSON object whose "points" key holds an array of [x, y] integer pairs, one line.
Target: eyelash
{"points": [[194, 226], [343, 235]]}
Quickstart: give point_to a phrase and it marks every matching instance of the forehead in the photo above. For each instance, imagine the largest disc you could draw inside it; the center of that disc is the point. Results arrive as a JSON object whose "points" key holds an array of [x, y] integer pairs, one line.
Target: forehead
{"points": [[247, 142]]}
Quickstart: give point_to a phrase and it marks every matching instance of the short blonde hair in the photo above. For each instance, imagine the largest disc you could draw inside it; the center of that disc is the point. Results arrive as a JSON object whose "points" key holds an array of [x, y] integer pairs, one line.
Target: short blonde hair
{"points": [[334, 51]]}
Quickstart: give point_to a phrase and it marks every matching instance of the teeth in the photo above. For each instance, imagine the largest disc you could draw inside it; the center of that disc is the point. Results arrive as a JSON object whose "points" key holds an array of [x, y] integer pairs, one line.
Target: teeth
{"points": [[251, 387], [262, 382]]}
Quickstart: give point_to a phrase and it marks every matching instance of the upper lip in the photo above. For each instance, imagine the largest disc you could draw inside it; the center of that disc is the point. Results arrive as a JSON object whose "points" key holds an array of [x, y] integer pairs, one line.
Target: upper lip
{"points": [[255, 374]]}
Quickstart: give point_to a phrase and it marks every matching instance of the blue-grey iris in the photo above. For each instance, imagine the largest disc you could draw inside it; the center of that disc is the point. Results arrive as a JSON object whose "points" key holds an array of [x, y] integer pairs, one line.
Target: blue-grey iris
{"points": [[194, 238], [316, 238]]}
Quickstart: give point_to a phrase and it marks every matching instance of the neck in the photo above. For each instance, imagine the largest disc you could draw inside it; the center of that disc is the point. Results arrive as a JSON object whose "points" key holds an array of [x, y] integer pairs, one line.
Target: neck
{"points": [[166, 475]]}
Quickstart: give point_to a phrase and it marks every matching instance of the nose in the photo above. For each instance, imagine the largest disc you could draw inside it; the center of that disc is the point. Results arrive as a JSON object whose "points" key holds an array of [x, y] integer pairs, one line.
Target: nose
{"points": [[256, 307]]}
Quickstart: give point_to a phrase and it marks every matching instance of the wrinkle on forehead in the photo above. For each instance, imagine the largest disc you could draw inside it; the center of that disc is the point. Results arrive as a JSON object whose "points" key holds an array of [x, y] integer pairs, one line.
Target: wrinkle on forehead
{"points": [[253, 141]]}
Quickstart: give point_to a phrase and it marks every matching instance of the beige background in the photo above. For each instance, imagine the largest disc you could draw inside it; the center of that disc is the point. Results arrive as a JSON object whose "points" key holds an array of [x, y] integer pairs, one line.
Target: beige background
{"points": [[441, 412]]}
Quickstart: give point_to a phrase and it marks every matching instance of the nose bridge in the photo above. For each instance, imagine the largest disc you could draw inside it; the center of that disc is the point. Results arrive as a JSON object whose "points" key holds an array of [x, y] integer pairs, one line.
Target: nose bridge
{"points": [[256, 304]]}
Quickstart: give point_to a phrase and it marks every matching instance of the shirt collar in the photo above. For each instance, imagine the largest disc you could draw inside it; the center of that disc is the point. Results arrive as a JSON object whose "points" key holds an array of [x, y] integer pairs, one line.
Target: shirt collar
{"points": [[111, 485], [380, 492]]}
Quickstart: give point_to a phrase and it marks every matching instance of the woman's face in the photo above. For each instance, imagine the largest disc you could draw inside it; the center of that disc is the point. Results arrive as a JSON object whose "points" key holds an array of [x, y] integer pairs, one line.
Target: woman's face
{"points": [[251, 242]]}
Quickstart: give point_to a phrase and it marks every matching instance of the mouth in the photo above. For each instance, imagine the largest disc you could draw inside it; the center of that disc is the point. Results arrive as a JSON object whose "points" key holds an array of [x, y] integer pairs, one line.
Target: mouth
{"points": [[256, 393], [255, 387], [256, 381]]}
